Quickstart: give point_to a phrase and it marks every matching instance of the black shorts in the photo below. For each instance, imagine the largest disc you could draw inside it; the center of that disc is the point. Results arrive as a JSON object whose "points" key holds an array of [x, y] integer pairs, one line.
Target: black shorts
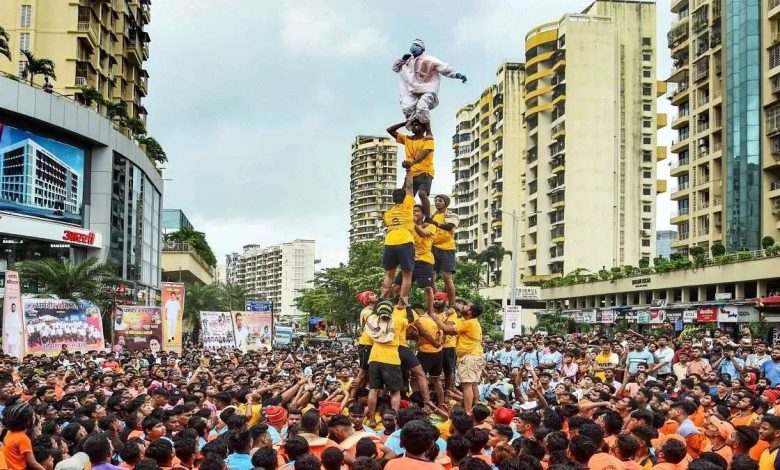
{"points": [[422, 275], [364, 351], [422, 182], [448, 359], [408, 359], [399, 255], [444, 260], [431, 362], [387, 376]]}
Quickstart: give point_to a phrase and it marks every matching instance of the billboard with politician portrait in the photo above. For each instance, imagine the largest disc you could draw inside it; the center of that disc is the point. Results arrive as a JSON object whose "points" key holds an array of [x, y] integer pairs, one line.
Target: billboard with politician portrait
{"points": [[52, 325], [172, 313], [253, 330], [13, 320], [216, 330], [137, 328], [40, 177]]}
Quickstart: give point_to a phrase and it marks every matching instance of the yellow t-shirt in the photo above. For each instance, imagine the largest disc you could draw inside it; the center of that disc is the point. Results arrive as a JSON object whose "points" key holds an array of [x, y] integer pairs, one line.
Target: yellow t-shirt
{"points": [[430, 326], [767, 461], [387, 353], [451, 340], [444, 239], [402, 340], [412, 148], [257, 414], [423, 245], [469, 338], [399, 220], [603, 360], [365, 340]]}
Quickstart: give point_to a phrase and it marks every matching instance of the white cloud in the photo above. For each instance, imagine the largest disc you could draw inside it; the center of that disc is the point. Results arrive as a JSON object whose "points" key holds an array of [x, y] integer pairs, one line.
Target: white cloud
{"points": [[312, 26]]}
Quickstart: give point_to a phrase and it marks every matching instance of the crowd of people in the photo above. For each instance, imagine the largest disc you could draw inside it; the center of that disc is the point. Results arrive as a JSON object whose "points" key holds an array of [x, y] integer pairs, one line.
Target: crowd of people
{"points": [[570, 402]]}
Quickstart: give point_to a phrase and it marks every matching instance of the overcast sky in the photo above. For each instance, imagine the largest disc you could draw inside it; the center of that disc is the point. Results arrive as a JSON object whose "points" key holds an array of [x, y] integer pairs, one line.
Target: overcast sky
{"points": [[257, 102]]}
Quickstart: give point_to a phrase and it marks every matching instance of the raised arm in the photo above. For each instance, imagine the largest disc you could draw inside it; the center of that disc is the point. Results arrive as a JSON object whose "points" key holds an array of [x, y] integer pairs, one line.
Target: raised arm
{"points": [[447, 328], [393, 130], [408, 183]]}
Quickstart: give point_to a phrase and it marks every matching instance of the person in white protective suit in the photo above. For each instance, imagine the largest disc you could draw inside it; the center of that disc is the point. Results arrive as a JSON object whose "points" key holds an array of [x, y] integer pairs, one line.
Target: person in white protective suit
{"points": [[420, 81]]}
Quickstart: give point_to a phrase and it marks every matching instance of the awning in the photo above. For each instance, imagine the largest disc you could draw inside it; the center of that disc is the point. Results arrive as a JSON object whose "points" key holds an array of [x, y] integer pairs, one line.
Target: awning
{"points": [[773, 300]]}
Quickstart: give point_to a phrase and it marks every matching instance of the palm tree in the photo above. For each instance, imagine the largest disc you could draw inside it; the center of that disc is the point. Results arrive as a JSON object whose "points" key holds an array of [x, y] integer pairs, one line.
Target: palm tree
{"points": [[91, 95], [492, 256], [234, 296], [200, 298], [87, 280], [36, 66], [153, 149], [136, 126], [197, 241], [4, 49], [117, 110]]}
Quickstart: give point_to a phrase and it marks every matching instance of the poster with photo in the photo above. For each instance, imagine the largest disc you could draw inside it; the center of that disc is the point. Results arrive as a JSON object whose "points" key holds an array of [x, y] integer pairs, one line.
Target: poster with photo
{"points": [[52, 325], [216, 330], [137, 328], [13, 319], [253, 330], [172, 314]]}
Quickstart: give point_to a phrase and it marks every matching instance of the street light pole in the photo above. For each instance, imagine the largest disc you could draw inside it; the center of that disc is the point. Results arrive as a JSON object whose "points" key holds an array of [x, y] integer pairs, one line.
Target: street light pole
{"points": [[515, 254]]}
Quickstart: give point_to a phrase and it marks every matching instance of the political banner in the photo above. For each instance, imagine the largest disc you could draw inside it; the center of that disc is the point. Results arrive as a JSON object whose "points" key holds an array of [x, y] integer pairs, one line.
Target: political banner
{"points": [[707, 314], [216, 329], [172, 312], [253, 330], [137, 328], [657, 316], [52, 325], [512, 321], [13, 320], [607, 316]]}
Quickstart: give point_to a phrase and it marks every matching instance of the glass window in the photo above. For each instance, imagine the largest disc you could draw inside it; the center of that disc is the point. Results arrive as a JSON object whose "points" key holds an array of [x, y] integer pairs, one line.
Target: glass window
{"points": [[24, 41], [26, 18]]}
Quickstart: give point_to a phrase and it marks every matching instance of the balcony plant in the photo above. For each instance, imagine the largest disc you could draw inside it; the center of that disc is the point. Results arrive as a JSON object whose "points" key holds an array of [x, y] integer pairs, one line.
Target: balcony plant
{"points": [[717, 249], [37, 66], [767, 241]]}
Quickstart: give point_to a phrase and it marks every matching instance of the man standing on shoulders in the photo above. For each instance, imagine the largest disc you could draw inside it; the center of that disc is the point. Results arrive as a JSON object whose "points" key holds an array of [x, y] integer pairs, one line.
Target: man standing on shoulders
{"points": [[450, 316], [444, 243], [418, 149], [399, 241], [468, 348], [368, 299]]}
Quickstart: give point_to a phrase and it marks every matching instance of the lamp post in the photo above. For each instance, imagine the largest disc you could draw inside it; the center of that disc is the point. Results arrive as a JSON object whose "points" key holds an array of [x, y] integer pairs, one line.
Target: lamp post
{"points": [[515, 225]]}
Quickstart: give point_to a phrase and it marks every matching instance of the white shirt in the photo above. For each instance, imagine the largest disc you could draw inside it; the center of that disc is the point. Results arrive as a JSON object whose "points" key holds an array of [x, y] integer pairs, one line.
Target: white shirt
{"points": [[172, 308], [241, 337], [421, 74]]}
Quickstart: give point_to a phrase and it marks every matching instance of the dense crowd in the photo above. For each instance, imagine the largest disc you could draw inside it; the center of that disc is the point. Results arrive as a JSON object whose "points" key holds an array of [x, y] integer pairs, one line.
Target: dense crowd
{"points": [[569, 402]]}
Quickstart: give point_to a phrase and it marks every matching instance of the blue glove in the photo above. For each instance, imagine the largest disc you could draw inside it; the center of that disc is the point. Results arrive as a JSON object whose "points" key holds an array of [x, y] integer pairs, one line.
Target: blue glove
{"points": [[406, 57], [461, 77]]}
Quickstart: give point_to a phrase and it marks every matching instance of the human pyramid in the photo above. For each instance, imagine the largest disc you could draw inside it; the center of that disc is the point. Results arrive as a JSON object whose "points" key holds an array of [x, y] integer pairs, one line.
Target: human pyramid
{"points": [[422, 246]]}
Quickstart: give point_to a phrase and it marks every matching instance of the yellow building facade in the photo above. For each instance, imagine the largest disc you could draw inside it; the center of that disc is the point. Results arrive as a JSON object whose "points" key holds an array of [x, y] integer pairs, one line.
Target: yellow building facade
{"points": [[93, 43]]}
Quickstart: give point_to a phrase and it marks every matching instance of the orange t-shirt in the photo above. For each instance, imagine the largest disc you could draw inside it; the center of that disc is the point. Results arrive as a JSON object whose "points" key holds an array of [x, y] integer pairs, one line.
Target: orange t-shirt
{"points": [[604, 460], [15, 445], [406, 463], [758, 449], [670, 427], [726, 452], [631, 465], [743, 420]]}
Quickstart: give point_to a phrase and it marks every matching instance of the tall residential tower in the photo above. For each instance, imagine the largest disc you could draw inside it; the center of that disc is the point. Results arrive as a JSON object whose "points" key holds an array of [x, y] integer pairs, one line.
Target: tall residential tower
{"points": [[372, 178], [591, 122], [488, 164]]}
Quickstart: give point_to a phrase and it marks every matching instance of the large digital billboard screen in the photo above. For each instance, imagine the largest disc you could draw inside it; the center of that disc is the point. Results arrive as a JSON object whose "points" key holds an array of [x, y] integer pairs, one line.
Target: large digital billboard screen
{"points": [[40, 177]]}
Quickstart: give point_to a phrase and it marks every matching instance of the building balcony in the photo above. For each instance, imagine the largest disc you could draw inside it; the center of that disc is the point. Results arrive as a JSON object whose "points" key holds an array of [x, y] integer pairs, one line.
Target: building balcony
{"points": [[773, 7], [680, 144], [681, 119], [678, 5], [89, 28], [774, 189], [180, 263], [679, 216], [680, 191], [680, 167]]}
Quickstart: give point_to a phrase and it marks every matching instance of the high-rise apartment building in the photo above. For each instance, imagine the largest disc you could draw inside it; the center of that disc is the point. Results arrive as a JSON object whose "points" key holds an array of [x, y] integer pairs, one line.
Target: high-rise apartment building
{"points": [[372, 179], [100, 44], [726, 67], [489, 167], [276, 273], [591, 122]]}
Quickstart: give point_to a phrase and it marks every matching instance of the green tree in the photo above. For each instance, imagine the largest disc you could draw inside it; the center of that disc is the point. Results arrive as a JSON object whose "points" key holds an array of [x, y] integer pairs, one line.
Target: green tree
{"points": [[200, 298], [717, 249], [37, 66], [767, 241], [492, 256], [87, 280], [153, 149], [233, 296], [117, 111], [197, 241], [555, 323], [136, 126], [91, 95], [4, 49]]}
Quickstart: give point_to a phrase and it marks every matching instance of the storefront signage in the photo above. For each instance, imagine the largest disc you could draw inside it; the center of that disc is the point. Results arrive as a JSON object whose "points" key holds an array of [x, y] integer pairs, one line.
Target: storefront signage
{"points": [[707, 314], [674, 316], [528, 293], [81, 238], [46, 230], [641, 282], [689, 316], [643, 317], [657, 316], [737, 314], [723, 296], [607, 316], [589, 316]]}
